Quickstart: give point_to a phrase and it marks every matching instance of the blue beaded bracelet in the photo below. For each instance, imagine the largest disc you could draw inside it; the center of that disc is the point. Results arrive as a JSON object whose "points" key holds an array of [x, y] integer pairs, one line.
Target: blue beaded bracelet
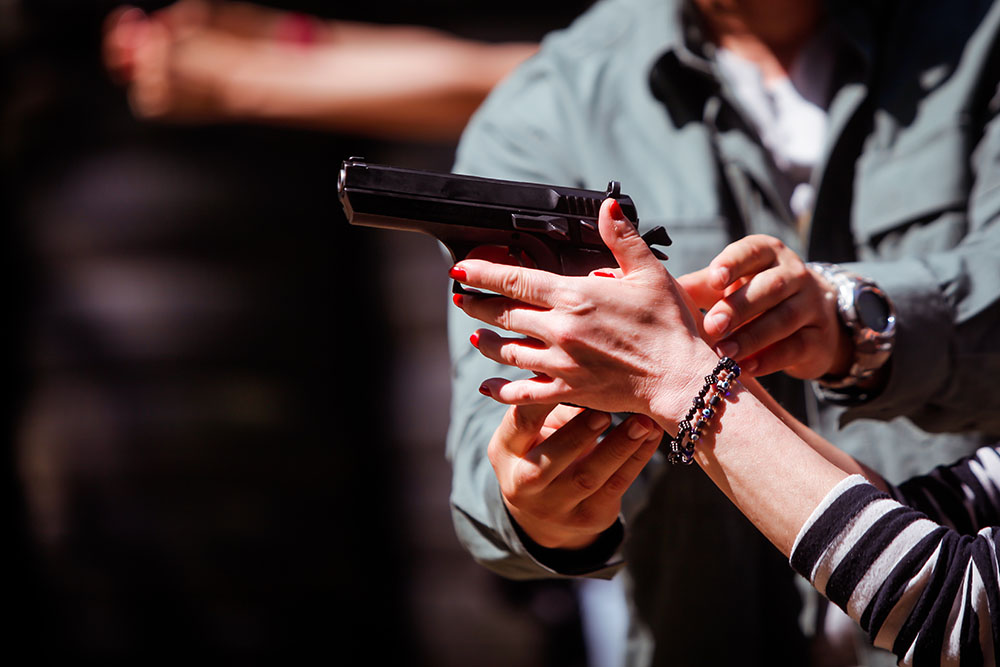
{"points": [[705, 406]]}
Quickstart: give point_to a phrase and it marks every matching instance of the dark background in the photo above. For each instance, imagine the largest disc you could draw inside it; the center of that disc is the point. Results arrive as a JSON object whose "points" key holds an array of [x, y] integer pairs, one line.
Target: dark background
{"points": [[227, 407]]}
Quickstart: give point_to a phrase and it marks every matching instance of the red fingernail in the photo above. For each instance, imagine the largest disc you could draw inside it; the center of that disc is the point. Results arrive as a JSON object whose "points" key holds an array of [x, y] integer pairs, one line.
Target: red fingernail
{"points": [[474, 339], [616, 210], [457, 298], [457, 273], [485, 391], [604, 274]]}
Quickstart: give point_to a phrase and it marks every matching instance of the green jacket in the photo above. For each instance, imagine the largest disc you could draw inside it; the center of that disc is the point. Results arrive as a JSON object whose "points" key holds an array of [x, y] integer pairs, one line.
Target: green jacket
{"points": [[908, 193]]}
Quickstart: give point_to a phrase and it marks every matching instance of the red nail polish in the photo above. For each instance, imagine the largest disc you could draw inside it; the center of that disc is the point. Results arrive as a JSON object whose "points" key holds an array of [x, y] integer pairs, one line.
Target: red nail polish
{"points": [[616, 210], [457, 273], [604, 274], [485, 391], [474, 339], [457, 298]]}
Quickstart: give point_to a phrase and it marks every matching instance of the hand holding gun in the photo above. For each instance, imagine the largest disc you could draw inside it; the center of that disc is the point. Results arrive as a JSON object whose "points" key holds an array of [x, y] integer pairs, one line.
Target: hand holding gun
{"points": [[556, 227]]}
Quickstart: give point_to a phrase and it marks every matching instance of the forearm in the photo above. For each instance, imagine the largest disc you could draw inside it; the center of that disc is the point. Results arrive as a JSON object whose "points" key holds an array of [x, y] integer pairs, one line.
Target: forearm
{"points": [[925, 592], [422, 88], [770, 473]]}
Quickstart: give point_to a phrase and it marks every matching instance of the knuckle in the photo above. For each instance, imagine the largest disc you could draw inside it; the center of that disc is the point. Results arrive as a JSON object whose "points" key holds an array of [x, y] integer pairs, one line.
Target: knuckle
{"points": [[562, 334], [511, 356], [617, 484], [776, 244], [522, 420], [512, 283], [785, 316], [584, 480], [798, 271], [584, 515], [778, 283]]}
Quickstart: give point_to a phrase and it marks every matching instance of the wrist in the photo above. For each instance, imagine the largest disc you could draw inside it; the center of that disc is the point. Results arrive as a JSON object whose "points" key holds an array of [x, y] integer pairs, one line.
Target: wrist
{"points": [[547, 534], [868, 328], [672, 399]]}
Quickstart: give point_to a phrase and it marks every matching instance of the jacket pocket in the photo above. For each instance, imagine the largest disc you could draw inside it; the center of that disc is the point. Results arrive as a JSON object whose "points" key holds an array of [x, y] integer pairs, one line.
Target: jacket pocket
{"points": [[915, 182]]}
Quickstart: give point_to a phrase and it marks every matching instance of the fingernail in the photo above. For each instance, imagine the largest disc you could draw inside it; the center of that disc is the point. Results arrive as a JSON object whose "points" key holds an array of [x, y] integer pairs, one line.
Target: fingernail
{"points": [[457, 273], [485, 391], [728, 348], [616, 210], [720, 322], [457, 298], [639, 428], [604, 274], [474, 339], [748, 366], [598, 421]]}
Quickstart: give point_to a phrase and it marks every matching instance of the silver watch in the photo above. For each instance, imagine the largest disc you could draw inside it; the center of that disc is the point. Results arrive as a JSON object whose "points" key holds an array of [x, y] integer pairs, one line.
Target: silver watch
{"points": [[868, 315]]}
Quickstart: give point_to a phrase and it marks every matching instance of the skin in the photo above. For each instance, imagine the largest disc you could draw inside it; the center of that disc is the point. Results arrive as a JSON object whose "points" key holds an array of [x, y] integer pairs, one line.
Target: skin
{"points": [[207, 62], [558, 483], [762, 306], [765, 309], [631, 344]]}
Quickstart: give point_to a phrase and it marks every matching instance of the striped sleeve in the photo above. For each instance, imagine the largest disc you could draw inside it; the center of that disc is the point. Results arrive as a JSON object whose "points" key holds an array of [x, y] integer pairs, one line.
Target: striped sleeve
{"points": [[922, 577]]}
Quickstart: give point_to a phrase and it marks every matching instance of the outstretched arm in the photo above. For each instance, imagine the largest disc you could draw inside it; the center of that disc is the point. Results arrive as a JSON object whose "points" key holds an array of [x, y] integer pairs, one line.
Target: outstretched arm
{"points": [[199, 61]]}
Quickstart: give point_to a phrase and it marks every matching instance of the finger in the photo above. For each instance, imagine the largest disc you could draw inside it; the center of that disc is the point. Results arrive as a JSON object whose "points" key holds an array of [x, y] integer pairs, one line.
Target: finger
{"points": [[520, 426], [531, 286], [555, 454], [540, 389], [746, 257], [508, 314], [764, 291], [699, 287], [592, 472], [618, 483], [623, 240], [771, 328], [791, 352], [121, 28], [527, 353], [558, 418]]}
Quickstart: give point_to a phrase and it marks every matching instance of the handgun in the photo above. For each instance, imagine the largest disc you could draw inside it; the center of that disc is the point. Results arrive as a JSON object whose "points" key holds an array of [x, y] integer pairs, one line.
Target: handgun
{"points": [[554, 226]]}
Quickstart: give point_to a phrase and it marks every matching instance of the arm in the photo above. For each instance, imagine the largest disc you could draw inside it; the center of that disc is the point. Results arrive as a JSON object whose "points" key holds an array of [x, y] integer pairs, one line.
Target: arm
{"points": [[918, 588], [198, 61], [765, 308], [630, 344]]}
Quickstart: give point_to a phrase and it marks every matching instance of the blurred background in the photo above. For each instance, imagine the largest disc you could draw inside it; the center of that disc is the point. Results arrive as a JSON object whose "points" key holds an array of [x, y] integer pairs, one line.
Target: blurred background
{"points": [[225, 430]]}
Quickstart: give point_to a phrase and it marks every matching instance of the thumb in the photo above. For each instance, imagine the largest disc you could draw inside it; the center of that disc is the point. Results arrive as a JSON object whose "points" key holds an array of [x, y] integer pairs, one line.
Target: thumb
{"points": [[698, 285], [623, 240]]}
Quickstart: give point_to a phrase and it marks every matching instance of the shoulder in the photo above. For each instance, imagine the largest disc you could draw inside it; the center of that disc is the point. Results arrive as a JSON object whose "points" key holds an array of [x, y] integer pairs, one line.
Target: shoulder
{"points": [[548, 105]]}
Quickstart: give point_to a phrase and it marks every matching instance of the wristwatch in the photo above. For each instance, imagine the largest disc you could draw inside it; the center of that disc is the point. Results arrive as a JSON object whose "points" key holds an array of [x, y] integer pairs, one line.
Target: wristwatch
{"points": [[870, 320]]}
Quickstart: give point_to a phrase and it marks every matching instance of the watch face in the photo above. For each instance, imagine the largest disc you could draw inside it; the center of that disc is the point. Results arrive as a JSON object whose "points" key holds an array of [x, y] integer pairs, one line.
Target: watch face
{"points": [[873, 311]]}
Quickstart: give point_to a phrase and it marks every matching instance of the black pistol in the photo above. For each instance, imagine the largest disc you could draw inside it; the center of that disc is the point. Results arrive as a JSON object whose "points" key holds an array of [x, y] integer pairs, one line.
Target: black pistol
{"points": [[556, 227]]}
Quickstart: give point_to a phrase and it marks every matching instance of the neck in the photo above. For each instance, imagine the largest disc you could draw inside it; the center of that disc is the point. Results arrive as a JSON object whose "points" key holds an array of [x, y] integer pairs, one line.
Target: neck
{"points": [[770, 33]]}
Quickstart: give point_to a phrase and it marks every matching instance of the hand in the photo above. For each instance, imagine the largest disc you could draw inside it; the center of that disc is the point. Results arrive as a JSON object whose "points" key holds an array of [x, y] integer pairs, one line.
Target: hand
{"points": [[620, 345], [171, 61], [769, 312], [560, 484]]}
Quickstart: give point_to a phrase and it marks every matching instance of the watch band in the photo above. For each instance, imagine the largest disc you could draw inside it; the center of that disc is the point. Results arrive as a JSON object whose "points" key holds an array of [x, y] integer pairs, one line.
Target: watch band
{"points": [[869, 317]]}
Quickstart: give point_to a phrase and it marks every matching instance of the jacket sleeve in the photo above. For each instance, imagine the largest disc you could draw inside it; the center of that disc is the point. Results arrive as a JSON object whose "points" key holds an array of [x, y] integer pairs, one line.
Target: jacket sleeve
{"points": [[948, 308], [923, 585]]}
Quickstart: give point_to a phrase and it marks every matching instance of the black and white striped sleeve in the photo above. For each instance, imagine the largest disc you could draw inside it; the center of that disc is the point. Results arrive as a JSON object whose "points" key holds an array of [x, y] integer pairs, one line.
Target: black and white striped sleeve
{"points": [[922, 582]]}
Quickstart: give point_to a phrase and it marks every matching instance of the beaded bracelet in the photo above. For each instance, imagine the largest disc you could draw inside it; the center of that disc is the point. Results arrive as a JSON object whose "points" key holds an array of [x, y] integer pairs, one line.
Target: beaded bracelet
{"points": [[705, 405]]}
